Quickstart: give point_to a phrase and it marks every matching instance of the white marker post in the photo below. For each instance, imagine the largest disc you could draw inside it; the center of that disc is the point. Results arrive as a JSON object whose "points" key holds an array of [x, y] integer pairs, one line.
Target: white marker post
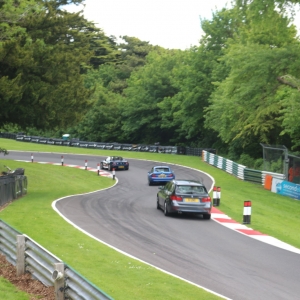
{"points": [[218, 195], [247, 212], [114, 173], [62, 160], [31, 157], [98, 168], [215, 200]]}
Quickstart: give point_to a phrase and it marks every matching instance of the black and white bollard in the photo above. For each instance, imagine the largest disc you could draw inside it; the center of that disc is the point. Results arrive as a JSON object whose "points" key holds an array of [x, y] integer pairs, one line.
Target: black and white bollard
{"points": [[247, 212], [98, 168], [62, 160], [218, 195], [215, 199], [85, 164], [31, 157], [114, 173]]}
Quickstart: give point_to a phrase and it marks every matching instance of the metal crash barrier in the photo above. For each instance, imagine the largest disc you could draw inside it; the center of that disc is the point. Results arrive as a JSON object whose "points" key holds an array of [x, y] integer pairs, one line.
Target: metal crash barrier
{"points": [[30, 257]]}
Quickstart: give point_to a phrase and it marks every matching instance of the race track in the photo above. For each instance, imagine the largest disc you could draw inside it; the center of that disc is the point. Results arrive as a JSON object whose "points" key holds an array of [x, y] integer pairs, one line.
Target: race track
{"points": [[201, 251]]}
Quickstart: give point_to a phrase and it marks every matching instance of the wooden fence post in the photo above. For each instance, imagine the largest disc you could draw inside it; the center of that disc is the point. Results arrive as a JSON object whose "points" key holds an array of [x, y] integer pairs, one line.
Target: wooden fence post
{"points": [[59, 281], [20, 255]]}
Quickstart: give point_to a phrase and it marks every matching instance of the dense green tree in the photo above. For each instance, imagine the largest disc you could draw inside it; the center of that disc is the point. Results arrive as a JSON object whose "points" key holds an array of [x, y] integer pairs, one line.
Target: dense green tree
{"points": [[41, 72], [246, 106], [132, 56], [11, 13], [146, 88], [183, 113], [102, 121]]}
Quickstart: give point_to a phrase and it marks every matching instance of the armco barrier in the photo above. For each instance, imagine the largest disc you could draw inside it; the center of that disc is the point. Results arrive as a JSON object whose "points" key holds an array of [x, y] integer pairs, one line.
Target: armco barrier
{"points": [[108, 146], [8, 245], [28, 256], [240, 171], [253, 176]]}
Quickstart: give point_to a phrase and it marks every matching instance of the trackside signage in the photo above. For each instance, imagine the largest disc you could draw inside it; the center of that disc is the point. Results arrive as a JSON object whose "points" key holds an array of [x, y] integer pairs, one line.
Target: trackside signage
{"points": [[286, 188]]}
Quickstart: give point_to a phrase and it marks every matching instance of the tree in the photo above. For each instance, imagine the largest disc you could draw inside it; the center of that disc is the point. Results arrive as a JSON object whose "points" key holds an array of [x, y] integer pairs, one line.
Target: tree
{"points": [[246, 107], [132, 56], [146, 88], [41, 72], [13, 12]]}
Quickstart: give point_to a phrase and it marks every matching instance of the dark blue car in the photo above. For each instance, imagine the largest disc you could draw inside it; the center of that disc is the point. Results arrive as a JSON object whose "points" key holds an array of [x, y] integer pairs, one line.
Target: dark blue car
{"points": [[114, 162], [160, 174]]}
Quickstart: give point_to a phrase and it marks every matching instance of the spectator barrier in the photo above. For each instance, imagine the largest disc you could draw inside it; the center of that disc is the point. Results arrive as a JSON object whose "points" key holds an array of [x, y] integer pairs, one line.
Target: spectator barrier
{"points": [[12, 187]]}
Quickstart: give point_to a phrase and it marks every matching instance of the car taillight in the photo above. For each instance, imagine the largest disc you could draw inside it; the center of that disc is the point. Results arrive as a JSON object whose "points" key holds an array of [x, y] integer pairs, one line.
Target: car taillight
{"points": [[206, 199], [170, 175], [175, 198], [153, 175]]}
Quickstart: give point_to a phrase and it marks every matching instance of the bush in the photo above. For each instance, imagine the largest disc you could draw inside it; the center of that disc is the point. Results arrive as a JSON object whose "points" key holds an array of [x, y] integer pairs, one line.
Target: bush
{"points": [[259, 164], [246, 160]]}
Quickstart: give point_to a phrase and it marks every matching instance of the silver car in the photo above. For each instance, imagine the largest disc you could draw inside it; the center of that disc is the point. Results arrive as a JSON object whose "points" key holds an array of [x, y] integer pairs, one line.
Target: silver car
{"points": [[184, 196]]}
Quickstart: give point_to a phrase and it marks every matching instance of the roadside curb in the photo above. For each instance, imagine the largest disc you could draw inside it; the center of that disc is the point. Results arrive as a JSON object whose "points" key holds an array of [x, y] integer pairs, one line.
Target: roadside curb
{"points": [[226, 221]]}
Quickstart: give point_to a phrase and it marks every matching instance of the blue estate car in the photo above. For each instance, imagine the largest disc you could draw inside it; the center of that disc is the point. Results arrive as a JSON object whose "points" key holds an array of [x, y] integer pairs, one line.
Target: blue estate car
{"points": [[160, 174]]}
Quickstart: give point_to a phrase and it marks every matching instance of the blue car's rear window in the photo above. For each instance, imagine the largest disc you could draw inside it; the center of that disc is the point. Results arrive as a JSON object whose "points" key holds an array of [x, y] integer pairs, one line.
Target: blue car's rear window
{"points": [[162, 170]]}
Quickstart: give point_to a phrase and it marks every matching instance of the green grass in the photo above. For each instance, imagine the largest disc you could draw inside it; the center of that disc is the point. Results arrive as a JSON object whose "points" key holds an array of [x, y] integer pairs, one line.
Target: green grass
{"points": [[272, 214], [9, 292]]}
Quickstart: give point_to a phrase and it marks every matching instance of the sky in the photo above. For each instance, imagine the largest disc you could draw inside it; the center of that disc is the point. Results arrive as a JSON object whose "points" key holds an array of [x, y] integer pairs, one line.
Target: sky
{"points": [[173, 24]]}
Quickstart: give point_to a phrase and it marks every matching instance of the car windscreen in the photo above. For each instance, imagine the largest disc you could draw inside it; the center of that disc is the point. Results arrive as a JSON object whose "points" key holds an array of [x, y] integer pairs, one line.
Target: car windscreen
{"points": [[117, 158]]}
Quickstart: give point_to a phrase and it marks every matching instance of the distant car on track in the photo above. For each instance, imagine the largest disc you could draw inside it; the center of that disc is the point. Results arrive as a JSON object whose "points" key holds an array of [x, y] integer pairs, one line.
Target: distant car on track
{"points": [[184, 196], [160, 174], [114, 162]]}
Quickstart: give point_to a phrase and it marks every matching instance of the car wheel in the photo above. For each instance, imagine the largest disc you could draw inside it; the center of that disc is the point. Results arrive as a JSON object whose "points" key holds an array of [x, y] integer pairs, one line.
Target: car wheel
{"points": [[149, 182], [166, 213], [206, 217], [127, 168], [157, 204]]}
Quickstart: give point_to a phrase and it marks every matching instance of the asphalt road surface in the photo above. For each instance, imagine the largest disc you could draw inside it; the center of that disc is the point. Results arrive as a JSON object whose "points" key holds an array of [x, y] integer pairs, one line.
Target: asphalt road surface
{"points": [[201, 251]]}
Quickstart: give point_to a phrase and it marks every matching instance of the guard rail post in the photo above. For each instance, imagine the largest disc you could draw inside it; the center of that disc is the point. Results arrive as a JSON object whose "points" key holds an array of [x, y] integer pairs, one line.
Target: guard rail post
{"points": [[20, 263], [58, 276]]}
